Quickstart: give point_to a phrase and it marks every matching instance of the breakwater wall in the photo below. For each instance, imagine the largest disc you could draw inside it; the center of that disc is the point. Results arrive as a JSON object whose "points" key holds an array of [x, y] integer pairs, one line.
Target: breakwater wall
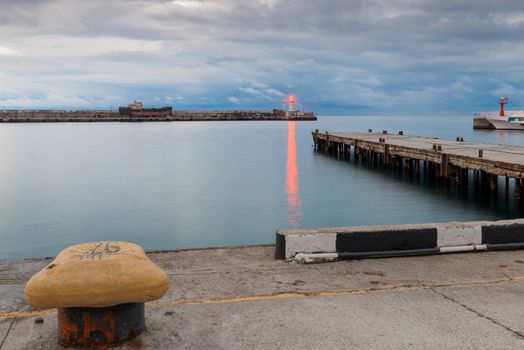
{"points": [[42, 116], [275, 114], [482, 123], [481, 120]]}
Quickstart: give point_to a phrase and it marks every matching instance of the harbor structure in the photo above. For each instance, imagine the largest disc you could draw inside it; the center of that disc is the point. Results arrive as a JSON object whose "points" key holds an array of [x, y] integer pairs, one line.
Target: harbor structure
{"points": [[291, 108], [502, 120], [135, 112], [50, 116], [291, 100], [444, 159], [502, 102]]}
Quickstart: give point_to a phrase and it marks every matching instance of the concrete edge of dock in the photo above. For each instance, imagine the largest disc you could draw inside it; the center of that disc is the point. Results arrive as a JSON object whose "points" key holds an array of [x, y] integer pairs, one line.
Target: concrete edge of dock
{"points": [[333, 243]]}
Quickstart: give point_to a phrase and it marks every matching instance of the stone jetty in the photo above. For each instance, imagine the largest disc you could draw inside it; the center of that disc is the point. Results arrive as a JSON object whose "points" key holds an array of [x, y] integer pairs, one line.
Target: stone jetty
{"points": [[43, 116]]}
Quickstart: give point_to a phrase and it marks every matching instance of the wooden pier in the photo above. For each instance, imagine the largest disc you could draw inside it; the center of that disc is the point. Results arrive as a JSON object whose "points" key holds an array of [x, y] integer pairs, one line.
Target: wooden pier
{"points": [[445, 159]]}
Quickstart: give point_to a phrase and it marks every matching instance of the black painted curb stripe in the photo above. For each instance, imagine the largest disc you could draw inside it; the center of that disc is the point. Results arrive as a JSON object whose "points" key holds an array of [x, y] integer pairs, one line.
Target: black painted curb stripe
{"points": [[280, 246], [377, 254], [503, 234], [386, 241]]}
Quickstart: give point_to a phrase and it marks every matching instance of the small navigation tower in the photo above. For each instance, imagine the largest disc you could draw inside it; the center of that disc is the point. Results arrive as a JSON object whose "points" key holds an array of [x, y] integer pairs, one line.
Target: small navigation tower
{"points": [[502, 102], [291, 100]]}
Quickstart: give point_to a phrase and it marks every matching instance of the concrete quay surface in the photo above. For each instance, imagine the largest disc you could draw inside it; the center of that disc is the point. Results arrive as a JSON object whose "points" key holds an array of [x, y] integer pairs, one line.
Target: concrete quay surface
{"points": [[242, 298]]}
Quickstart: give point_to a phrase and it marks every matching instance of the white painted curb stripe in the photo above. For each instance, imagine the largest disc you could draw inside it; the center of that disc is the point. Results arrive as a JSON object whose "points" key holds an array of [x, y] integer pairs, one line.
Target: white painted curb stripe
{"points": [[459, 236], [312, 243], [318, 257], [467, 248]]}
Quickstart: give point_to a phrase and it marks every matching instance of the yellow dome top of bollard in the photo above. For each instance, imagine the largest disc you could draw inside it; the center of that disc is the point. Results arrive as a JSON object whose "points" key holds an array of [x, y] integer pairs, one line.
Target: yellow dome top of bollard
{"points": [[97, 274]]}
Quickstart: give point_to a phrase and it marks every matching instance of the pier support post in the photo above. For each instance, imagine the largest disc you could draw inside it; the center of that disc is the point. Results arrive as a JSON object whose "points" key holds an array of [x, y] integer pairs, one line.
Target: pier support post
{"points": [[444, 166], [493, 182], [483, 178], [409, 166]]}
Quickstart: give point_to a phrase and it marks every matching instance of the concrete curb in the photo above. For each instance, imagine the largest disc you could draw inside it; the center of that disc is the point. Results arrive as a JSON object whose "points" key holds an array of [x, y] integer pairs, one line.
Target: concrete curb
{"points": [[357, 242]]}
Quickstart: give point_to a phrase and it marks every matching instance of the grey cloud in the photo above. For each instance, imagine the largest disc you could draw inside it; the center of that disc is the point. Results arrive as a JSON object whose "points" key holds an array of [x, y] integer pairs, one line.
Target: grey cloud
{"points": [[338, 55]]}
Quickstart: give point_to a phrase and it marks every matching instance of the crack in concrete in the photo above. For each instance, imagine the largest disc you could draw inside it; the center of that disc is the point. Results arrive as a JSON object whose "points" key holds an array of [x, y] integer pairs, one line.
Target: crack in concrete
{"points": [[7, 333], [479, 314]]}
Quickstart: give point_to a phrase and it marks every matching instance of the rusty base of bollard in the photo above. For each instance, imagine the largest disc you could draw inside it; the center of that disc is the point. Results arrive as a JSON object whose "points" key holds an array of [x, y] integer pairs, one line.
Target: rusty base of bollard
{"points": [[101, 326]]}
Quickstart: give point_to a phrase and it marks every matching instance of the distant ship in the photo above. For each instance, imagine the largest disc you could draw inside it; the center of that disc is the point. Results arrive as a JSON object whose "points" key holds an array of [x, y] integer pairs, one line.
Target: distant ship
{"points": [[503, 120], [137, 110]]}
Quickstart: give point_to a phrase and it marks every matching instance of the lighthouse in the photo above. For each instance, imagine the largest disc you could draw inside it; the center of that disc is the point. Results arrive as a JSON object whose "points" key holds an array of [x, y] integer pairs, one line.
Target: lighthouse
{"points": [[502, 102], [291, 100]]}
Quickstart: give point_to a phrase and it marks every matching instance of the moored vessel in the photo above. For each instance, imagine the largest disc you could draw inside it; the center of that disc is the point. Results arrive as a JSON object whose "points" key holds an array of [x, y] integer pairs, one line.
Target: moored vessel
{"points": [[137, 110]]}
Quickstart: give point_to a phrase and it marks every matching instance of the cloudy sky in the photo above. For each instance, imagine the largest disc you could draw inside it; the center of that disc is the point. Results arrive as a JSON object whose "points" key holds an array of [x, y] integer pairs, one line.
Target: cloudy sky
{"points": [[338, 57]]}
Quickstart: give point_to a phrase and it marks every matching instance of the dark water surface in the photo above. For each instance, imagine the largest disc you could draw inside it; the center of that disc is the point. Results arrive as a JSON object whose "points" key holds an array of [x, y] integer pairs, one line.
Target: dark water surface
{"points": [[202, 184]]}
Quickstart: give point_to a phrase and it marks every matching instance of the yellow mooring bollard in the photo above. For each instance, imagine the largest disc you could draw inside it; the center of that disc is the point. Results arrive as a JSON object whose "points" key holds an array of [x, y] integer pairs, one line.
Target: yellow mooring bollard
{"points": [[99, 289]]}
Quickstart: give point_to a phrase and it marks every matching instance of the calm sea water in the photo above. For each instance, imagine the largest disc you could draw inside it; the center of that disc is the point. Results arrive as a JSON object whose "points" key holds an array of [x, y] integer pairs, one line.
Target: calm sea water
{"points": [[202, 184]]}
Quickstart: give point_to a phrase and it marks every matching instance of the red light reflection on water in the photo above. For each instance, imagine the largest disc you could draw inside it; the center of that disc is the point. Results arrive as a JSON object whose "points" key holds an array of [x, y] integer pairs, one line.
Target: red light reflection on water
{"points": [[294, 204]]}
